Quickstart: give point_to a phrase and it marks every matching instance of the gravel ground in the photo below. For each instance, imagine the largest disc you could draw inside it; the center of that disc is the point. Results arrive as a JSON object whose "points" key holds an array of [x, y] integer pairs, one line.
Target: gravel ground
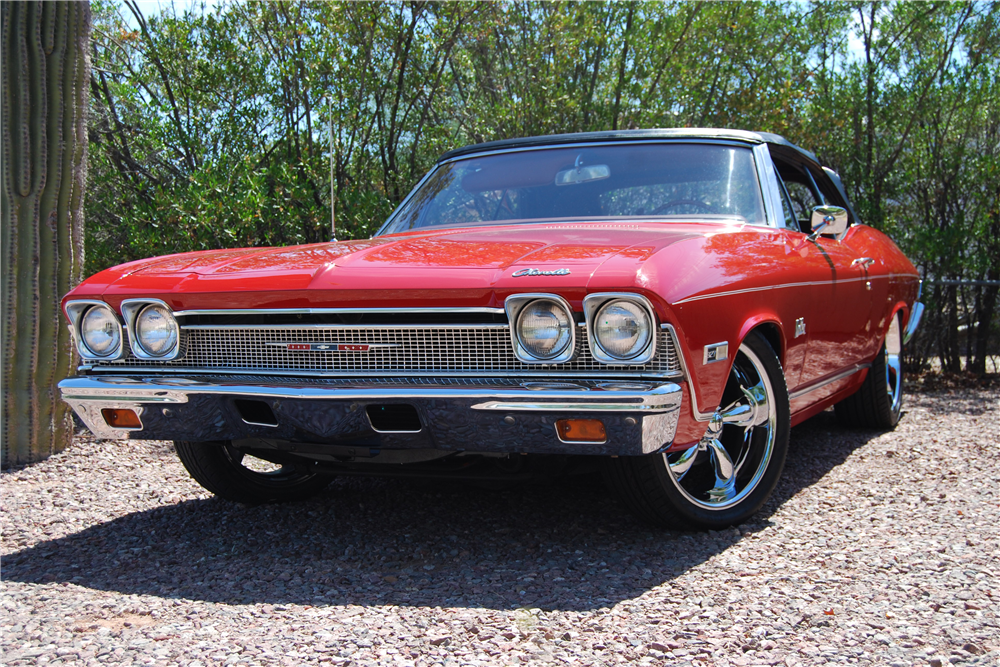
{"points": [[876, 549]]}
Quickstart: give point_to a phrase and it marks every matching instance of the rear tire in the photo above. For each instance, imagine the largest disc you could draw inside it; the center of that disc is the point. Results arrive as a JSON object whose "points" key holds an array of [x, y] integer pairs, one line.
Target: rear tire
{"points": [[724, 479], [219, 468], [879, 401]]}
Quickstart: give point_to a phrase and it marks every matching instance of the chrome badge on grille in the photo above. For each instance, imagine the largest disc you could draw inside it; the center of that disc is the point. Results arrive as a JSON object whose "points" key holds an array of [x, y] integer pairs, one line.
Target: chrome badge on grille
{"points": [[330, 347]]}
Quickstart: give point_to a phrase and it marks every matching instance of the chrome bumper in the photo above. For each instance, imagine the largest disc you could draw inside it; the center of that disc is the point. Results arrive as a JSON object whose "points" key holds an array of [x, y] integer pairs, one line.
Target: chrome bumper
{"points": [[914, 322], [474, 418]]}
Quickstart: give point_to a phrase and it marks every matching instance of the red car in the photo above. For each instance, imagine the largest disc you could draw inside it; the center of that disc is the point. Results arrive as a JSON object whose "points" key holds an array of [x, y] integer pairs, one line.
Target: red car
{"points": [[666, 303]]}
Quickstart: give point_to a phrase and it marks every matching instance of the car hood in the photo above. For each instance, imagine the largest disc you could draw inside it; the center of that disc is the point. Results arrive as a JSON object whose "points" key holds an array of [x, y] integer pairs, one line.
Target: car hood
{"points": [[476, 266]]}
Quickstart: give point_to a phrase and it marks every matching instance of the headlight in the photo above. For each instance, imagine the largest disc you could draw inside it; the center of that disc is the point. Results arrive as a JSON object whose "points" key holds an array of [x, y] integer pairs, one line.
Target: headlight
{"points": [[100, 331], [622, 329], [156, 330], [544, 329]]}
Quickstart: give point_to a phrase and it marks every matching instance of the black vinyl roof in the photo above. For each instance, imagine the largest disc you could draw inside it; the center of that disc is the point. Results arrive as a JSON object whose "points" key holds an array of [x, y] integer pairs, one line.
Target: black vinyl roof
{"points": [[629, 135]]}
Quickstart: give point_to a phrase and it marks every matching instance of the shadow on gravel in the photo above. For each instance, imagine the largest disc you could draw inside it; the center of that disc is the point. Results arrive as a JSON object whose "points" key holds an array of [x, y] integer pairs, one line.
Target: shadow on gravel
{"points": [[562, 545]]}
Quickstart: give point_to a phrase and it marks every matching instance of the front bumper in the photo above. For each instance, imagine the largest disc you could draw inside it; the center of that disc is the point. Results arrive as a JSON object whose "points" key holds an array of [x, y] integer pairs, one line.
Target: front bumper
{"points": [[494, 417]]}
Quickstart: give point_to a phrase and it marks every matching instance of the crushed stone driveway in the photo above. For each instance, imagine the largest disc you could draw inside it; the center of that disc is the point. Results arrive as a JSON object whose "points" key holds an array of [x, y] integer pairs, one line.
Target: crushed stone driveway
{"points": [[876, 549]]}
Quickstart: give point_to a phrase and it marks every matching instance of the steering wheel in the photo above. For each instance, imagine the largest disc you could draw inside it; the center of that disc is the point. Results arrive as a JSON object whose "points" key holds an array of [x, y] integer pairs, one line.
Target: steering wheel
{"points": [[684, 202]]}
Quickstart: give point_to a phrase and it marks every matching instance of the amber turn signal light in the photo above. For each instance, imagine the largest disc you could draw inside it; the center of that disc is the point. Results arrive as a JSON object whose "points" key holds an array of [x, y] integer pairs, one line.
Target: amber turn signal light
{"points": [[581, 430], [121, 418]]}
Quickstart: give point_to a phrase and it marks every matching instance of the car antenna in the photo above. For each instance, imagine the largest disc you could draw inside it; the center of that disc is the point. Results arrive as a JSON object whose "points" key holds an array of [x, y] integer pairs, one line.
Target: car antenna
{"points": [[333, 189]]}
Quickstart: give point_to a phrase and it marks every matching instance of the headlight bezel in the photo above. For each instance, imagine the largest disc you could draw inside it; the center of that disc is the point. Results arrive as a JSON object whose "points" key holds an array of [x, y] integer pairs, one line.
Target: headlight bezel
{"points": [[76, 311], [594, 303], [131, 309], [515, 305]]}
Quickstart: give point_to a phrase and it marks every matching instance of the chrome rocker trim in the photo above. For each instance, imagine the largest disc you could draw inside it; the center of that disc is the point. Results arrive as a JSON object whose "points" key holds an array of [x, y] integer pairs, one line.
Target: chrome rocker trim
{"points": [[824, 381], [509, 419]]}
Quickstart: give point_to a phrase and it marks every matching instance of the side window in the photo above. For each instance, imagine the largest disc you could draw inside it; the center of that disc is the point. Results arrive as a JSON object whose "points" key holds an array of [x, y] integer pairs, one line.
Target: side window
{"points": [[802, 193], [804, 200]]}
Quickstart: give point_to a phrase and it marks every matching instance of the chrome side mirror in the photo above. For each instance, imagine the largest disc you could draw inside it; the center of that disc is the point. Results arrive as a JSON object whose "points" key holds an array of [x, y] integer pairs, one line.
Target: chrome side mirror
{"points": [[830, 220]]}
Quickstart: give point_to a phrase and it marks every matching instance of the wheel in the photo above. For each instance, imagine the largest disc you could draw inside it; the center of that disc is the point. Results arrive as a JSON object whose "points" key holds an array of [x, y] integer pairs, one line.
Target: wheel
{"points": [[684, 202], [228, 473], [879, 401], [725, 478]]}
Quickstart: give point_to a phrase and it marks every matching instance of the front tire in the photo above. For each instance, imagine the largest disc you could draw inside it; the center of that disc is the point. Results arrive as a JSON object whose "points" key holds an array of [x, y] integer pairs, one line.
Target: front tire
{"points": [[725, 478], [879, 402], [222, 469]]}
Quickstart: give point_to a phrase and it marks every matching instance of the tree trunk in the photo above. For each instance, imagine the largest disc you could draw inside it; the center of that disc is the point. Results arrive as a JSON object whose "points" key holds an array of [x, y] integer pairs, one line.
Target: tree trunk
{"points": [[46, 70]]}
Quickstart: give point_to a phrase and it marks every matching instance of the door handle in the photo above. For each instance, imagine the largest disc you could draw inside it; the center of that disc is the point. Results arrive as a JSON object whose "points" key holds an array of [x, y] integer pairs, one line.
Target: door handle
{"points": [[865, 262]]}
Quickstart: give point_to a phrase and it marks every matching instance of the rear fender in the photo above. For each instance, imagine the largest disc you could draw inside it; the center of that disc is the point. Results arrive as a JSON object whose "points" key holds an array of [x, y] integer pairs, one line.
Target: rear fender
{"points": [[903, 311]]}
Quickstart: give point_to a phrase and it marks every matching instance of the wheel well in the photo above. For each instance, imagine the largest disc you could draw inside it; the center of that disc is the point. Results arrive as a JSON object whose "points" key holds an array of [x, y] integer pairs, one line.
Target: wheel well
{"points": [[772, 334]]}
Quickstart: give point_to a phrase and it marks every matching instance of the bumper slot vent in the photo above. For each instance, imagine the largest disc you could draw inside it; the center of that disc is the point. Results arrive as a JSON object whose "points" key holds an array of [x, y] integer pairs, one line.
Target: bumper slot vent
{"points": [[257, 413], [393, 418]]}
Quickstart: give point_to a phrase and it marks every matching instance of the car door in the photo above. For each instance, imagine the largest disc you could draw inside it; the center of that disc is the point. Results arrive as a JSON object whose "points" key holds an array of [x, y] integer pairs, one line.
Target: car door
{"points": [[839, 288]]}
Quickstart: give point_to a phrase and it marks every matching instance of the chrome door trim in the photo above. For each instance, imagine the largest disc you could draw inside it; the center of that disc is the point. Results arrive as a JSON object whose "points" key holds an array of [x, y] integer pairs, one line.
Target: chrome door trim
{"points": [[822, 382], [749, 290]]}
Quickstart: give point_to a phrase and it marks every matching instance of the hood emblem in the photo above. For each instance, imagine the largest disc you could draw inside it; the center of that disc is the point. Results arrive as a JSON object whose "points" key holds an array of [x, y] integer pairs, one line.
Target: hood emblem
{"points": [[331, 347], [540, 272]]}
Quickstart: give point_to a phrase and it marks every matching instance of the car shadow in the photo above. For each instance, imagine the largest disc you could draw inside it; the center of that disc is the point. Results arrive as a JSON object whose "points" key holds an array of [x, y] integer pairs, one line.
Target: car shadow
{"points": [[562, 544]]}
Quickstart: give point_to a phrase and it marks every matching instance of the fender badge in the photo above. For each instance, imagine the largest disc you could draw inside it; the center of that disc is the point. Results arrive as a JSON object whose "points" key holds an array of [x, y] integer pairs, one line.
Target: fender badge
{"points": [[715, 352], [539, 272]]}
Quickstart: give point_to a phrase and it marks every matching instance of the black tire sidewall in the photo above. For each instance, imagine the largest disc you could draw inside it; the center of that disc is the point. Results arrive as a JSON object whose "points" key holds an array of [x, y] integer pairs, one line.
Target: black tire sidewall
{"points": [[211, 465], [886, 417]]}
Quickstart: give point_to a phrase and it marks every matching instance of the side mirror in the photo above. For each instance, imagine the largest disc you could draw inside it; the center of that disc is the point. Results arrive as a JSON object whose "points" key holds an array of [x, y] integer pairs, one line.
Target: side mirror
{"points": [[830, 220]]}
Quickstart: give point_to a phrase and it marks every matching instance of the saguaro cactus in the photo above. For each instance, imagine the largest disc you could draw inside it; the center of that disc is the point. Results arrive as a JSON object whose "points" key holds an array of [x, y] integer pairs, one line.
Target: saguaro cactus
{"points": [[45, 78]]}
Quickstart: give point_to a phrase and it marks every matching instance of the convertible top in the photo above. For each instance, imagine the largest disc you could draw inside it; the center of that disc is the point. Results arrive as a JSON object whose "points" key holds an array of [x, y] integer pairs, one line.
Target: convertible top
{"points": [[630, 135]]}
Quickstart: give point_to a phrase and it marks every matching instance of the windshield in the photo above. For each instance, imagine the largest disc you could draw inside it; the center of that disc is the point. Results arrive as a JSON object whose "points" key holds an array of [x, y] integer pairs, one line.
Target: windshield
{"points": [[665, 181]]}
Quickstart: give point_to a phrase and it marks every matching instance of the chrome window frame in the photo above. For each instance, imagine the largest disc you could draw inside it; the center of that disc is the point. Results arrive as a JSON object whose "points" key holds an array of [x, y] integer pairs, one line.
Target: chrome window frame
{"points": [[758, 149], [768, 180], [75, 310]]}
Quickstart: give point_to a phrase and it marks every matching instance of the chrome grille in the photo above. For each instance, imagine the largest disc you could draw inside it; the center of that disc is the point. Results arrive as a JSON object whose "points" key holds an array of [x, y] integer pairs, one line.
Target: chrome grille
{"points": [[473, 350]]}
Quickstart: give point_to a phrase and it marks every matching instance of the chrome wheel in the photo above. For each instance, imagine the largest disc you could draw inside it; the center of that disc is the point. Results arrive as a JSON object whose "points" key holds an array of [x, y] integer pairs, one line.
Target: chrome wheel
{"points": [[727, 476], [731, 459]]}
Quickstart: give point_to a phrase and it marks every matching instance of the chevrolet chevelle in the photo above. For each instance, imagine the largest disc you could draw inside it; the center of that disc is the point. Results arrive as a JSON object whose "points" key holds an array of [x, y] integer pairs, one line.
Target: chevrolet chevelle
{"points": [[665, 302]]}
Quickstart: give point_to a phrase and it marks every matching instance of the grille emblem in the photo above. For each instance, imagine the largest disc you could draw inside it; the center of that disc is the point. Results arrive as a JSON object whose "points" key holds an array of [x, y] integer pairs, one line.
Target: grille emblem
{"points": [[539, 272], [331, 347]]}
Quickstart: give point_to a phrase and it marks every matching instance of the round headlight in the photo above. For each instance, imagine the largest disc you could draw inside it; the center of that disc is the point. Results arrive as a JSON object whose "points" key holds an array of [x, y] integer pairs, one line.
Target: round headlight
{"points": [[544, 329], [622, 329], [156, 331], [101, 332]]}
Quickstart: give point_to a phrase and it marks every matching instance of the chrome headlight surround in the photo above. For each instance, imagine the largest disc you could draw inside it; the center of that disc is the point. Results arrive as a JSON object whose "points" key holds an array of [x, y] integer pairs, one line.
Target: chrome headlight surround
{"points": [[515, 305], [76, 311], [131, 309], [593, 303]]}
